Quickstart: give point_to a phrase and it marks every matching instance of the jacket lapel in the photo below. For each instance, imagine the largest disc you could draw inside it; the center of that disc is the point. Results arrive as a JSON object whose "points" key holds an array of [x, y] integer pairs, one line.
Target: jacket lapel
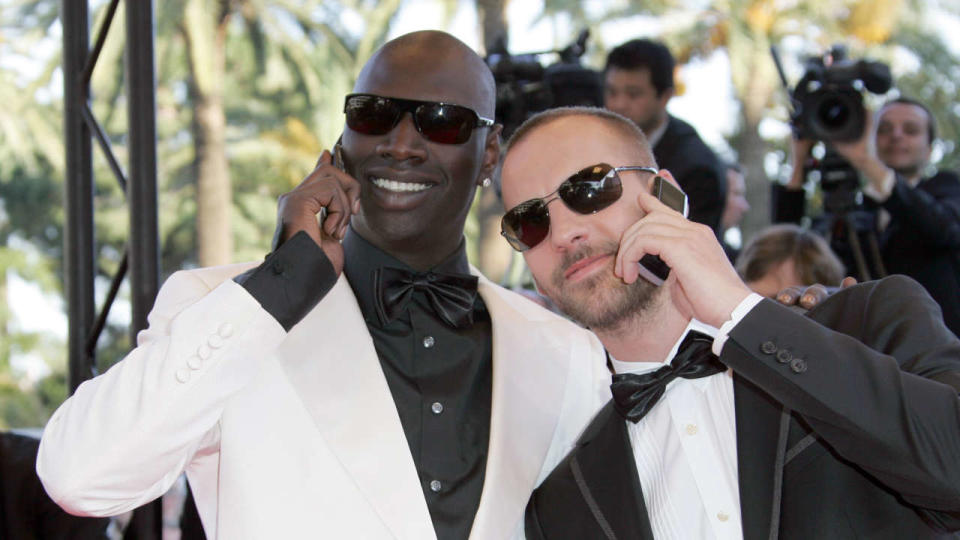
{"points": [[758, 420], [330, 360], [609, 476], [521, 429]]}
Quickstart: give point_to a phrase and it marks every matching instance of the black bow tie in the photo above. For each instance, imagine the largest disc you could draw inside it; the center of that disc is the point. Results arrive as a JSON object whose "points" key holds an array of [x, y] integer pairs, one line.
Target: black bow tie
{"points": [[635, 394], [451, 295]]}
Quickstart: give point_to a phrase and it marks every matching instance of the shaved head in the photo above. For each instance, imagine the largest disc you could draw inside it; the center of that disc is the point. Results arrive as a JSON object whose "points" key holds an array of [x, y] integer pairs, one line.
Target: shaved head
{"points": [[443, 53]]}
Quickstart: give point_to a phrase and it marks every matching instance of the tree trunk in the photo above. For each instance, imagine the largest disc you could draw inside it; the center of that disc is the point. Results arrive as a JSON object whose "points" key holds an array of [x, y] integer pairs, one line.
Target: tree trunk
{"points": [[493, 253], [205, 31], [754, 79]]}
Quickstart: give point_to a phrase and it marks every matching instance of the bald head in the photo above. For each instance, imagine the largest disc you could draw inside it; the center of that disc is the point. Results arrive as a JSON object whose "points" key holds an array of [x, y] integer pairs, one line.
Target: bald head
{"points": [[454, 71]]}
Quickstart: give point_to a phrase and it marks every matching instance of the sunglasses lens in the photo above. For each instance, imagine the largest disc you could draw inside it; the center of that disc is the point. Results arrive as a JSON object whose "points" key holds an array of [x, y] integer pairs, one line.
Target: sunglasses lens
{"points": [[526, 225], [445, 124], [371, 115], [591, 189]]}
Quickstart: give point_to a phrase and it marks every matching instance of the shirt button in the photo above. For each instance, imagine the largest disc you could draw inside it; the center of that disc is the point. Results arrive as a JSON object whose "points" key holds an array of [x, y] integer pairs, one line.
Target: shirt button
{"points": [[437, 407], [428, 342], [722, 517], [435, 486], [691, 429]]}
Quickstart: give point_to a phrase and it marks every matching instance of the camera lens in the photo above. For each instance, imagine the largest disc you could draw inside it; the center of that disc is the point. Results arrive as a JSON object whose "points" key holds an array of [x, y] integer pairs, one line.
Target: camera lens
{"points": [[833, 113], [836, 114]]}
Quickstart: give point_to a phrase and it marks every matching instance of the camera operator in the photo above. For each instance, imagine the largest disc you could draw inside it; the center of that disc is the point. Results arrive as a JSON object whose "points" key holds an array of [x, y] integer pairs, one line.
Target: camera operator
{"points": [[638, 83], [916, 218]]}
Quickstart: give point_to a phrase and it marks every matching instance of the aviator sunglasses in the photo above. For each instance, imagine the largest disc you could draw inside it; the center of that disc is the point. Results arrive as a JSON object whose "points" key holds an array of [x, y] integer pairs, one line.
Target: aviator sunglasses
{"points": [[586, 192], [443, 123]]}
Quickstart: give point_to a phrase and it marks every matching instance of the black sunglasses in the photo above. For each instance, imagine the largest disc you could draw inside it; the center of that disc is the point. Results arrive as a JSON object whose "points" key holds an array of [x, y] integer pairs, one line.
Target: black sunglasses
{"points": [[443, 123], [586, 192]]}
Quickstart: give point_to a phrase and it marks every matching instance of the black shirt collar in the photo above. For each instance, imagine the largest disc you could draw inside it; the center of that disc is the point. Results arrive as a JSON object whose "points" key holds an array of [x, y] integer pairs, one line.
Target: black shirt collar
{"points": [[361, 258]]}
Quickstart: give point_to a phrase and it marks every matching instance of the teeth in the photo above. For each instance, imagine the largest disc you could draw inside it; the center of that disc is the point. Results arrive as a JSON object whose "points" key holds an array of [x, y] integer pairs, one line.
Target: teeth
{"points": [[393, 185]]}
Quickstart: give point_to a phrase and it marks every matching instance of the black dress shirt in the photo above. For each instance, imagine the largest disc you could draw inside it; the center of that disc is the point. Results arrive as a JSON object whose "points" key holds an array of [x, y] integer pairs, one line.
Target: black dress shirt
{"points": [[440, 377]]}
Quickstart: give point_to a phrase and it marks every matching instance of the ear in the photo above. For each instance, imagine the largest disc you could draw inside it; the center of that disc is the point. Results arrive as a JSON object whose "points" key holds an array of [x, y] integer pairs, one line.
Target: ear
{"points": [[491, 154], [665, 96]]}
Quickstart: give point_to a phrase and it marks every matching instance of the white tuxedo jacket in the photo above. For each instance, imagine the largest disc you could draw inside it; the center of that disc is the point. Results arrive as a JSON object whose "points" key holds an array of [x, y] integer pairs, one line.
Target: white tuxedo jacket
{"points": [[296, 435]]}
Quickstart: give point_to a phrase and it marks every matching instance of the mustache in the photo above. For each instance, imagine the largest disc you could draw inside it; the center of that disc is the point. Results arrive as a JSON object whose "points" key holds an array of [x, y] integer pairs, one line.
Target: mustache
{"points": [[572, 257]]}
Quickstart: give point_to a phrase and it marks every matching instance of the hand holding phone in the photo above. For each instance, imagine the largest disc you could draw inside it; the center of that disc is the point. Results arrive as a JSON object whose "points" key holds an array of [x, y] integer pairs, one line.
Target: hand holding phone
{"points": [[652, 267]]}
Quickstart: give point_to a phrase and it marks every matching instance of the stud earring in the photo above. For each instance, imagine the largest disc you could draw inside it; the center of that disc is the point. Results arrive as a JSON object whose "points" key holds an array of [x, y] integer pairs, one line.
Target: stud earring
{"points": [[486, 182]]}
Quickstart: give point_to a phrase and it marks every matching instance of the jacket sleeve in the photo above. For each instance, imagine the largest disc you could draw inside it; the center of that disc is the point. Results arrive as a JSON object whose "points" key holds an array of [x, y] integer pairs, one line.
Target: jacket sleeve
{"points": [[123, 438], [870, 395], [933, 210]]}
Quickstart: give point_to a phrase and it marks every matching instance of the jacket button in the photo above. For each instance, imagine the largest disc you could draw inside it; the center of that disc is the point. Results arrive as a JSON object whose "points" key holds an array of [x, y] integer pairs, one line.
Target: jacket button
{"points": [[784, 356], [798, 365], [225, 330], [194, 362], [215, 341], [768, 347]]}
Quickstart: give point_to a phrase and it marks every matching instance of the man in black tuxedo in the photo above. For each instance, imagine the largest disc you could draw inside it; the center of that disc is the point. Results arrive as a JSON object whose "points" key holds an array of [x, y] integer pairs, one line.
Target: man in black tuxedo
{"points": [[638, 83], [915, 216], [765, 423]]}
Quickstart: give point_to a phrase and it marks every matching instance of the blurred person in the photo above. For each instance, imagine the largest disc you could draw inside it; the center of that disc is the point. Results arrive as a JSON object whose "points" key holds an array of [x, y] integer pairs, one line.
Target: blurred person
{"points": [[638, 83], [916, 217], [734, 209], [732, 416], [783, 256], [348, 386]]}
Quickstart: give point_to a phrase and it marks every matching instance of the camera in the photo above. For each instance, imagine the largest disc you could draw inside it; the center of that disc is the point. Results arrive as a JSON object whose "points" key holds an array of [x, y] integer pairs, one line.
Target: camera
{"points": [[525, 86], [828, 101]]}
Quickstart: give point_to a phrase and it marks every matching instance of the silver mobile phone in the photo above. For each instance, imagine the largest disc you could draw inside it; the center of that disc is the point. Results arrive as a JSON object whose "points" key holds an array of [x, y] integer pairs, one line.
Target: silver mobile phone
{"points": [[652, 267]]}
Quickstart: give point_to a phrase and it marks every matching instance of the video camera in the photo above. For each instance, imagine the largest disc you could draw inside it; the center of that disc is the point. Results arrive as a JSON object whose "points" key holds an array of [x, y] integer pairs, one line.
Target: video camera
{"points": [[828, 102], [827, 106], [525, 86]]}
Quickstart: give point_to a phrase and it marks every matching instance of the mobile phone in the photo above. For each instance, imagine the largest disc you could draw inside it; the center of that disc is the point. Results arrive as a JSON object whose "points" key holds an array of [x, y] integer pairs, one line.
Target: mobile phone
{"points": [[652, 267], [338, 155]]}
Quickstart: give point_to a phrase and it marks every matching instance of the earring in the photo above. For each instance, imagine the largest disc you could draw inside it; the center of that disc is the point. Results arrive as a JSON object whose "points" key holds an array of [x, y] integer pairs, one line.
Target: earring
{"points": [[486, 182]]}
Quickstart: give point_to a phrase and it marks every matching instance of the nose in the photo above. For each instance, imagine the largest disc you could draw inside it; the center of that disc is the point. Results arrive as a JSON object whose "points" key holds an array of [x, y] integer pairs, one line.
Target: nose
{"points": [[567, 228], [403, 142], [614, 103]]}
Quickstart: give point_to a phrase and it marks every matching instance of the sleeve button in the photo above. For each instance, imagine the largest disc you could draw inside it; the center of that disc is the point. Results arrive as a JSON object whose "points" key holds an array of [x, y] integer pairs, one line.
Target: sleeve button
{"points": [[784, 356], [183, 375], [768, 347], [225, 330], [798, 365], [215, 341]]}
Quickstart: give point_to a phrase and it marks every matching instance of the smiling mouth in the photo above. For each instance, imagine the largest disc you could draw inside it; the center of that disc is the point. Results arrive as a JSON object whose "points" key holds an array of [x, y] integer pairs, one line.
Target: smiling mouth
{"points": [[400, 187]]}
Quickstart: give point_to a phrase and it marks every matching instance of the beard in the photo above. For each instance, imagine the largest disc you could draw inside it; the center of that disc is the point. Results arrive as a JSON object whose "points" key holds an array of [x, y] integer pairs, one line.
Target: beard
{"points": [[602, 301]]}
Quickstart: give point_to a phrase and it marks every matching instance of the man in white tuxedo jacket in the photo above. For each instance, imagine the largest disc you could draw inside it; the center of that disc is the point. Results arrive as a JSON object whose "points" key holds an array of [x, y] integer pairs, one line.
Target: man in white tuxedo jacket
{"points": [[363, 381]]}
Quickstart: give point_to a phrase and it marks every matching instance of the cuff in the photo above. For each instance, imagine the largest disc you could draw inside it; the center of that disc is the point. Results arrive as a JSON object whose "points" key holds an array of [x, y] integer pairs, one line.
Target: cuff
{"points": [[291, 280], [883, 193], [736, 316]]}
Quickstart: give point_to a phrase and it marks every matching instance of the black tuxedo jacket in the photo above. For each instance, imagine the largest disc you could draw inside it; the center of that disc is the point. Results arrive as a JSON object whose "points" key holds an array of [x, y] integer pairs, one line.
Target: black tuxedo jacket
{"points": [[836, 437], [695, 167]]}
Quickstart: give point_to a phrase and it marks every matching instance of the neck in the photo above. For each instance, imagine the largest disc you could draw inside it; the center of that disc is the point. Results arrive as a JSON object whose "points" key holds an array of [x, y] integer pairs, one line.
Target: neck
{"points": [[649, 336], [657, 122], [414, 253]]}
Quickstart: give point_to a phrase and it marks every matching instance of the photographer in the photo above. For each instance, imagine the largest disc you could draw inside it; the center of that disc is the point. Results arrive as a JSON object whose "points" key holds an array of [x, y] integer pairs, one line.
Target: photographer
{"points": [[916, 218]]}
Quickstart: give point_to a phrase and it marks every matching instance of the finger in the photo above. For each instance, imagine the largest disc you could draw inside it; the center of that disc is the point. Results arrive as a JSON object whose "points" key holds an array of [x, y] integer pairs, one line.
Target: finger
{"points": [[325, 159], [649, 203], [813, 295], [789, 296], [848, 281]]}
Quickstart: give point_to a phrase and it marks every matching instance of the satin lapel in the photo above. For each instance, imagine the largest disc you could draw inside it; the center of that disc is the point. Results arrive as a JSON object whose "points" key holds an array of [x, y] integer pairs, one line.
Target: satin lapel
{"points": [[330, 360], [758, 420], [526, 392], [610, 476]]}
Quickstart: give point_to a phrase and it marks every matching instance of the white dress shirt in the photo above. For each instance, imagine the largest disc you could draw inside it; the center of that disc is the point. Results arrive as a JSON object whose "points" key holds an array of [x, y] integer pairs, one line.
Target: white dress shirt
{"points": [[685, 448]]}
